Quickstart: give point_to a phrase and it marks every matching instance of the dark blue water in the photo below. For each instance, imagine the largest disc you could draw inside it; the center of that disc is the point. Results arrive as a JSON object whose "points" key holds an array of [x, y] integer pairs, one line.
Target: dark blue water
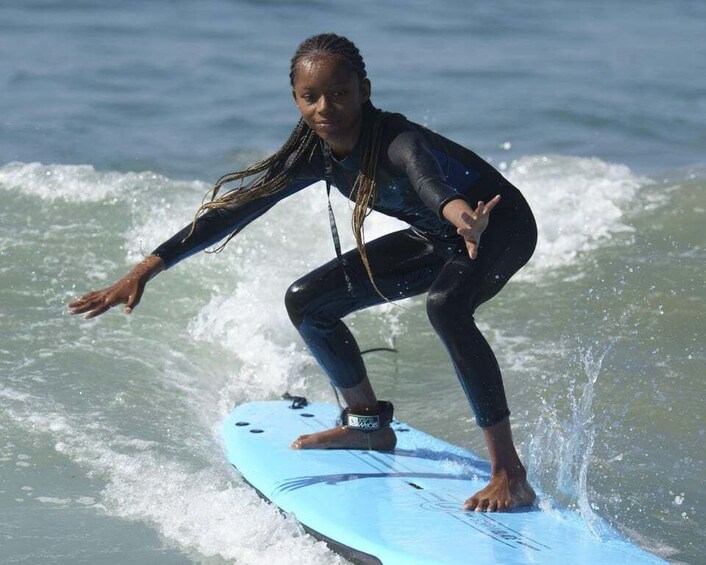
{"points": [[178, 87]]}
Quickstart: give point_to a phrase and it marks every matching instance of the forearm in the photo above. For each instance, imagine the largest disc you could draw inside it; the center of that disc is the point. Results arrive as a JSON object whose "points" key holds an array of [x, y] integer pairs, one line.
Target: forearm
{"points": [[216, 224], [208, 230]]}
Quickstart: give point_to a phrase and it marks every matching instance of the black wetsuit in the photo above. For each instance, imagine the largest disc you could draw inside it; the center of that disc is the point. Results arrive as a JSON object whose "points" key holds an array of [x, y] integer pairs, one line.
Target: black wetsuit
{"points": [[418, 173]]}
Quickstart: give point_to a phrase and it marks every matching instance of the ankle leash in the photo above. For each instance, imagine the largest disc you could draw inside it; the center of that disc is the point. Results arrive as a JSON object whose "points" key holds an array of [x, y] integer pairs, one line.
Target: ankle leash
{"points": [[367, 419]]}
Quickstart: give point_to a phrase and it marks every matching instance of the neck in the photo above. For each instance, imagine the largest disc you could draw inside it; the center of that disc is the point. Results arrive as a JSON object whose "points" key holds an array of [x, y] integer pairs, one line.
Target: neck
{"points": [[341, 148]]}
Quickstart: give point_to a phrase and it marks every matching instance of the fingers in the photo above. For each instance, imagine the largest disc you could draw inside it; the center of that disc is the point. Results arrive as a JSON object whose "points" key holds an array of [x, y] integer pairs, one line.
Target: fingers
{"points": [[78, 307], [132, 301], [83, 305], [482, 209], [471, 239], [476, 222], [93, 304], [99, 310], [491, 203], [472, 248], [79, 302]]}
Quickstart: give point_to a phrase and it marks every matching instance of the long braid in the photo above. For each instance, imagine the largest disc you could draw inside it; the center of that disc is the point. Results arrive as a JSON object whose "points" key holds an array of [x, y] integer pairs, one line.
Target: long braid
{"points": [[299, 139], [302, 144], [365, 188]]}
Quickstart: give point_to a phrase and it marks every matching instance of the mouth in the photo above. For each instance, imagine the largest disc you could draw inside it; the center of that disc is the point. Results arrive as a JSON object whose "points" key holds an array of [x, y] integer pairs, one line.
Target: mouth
{"points": [[328, 124]]}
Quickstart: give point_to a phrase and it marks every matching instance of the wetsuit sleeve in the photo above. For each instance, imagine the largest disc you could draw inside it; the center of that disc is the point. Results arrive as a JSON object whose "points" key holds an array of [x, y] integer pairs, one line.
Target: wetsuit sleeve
{"points": [[217, 224], [411, 155]]}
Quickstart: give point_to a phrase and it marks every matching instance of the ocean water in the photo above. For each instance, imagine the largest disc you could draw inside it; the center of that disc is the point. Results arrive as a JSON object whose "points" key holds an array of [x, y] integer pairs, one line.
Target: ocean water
{"points": [[117, 117]]}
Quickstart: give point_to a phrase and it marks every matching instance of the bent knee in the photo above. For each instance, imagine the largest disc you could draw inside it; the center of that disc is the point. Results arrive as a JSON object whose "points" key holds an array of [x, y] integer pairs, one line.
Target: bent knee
{"points": [[297, 301], [443, 303], [444, 307]]}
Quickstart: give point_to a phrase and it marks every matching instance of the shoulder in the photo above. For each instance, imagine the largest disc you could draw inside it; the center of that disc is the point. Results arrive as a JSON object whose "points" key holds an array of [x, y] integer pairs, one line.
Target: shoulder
{"points": [[399, 130]]}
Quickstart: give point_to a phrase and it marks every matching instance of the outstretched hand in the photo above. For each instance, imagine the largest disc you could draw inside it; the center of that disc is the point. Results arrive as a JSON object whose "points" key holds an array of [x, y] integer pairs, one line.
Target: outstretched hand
{"points": [[470, 223], [127, 290], [476, 222]]}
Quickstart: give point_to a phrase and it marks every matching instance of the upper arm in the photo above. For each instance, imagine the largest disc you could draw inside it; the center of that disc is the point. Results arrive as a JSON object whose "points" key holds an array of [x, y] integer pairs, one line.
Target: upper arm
{"points": [[410, 154]]}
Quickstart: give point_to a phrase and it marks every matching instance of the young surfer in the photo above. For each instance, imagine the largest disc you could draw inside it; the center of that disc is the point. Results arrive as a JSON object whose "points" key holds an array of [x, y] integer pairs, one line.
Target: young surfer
{"points": [[452, 250]]}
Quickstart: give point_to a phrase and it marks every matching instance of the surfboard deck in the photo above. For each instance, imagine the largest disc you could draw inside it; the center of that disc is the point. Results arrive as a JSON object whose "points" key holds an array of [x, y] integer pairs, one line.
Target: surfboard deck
{"points": [[402, 507]]}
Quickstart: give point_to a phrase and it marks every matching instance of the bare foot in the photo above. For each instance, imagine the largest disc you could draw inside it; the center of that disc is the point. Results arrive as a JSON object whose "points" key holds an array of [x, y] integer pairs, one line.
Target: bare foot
{"points": [[502, 493], [342, 437]]}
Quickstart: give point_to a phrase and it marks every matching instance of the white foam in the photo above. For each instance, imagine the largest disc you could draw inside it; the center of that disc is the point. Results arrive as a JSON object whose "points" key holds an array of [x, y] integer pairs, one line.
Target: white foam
{"points": [[73, 183], [203, 509], [200, 511], [579, 204], [164, 209], [53, 500], [83, 183]]}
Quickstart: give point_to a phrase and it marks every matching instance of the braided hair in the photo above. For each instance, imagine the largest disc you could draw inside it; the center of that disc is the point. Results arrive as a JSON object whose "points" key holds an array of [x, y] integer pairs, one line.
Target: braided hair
{"points": [[276, 171]]}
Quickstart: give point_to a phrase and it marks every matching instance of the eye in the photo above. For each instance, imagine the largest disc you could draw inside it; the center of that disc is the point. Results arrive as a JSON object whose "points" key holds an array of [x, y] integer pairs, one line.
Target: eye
{"points": [[339, 93], [308, 98]]}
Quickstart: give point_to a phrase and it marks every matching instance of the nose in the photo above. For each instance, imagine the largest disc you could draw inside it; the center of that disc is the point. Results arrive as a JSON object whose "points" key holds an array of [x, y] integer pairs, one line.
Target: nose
{"points": [[324, 105]]}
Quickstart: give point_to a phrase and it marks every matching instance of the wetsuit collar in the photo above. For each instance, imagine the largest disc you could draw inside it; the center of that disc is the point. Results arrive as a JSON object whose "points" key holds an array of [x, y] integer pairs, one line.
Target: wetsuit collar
{"points": [[352, 160]]}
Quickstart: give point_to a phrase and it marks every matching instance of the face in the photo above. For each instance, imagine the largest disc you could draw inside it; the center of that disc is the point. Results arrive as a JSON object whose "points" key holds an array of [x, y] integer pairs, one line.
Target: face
{"points": [[330, 97]]}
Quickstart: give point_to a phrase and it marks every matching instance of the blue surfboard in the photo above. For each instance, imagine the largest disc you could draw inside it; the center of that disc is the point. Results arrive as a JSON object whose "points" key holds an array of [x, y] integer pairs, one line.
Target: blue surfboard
{"points": [[402, 507]]}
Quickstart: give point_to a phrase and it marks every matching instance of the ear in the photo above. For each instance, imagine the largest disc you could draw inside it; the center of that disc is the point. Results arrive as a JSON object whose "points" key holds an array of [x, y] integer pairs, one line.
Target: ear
{"points": [[294, 95], [365, 89]]}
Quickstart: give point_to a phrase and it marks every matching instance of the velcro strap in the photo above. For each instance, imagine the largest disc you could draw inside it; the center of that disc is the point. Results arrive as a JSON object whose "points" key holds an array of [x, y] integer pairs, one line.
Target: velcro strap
{"points": [[367, 419]]}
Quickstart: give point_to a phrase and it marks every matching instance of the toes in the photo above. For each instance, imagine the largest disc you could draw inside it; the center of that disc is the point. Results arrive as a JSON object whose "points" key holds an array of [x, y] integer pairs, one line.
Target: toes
{"points": [[299, 442], [500, 505], [482, 505], [486, 505], [471, 504]]}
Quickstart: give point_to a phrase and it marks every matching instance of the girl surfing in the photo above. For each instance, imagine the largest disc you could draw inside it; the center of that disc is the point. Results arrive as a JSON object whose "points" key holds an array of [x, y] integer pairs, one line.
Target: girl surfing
{"points": [[455, 250]]}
